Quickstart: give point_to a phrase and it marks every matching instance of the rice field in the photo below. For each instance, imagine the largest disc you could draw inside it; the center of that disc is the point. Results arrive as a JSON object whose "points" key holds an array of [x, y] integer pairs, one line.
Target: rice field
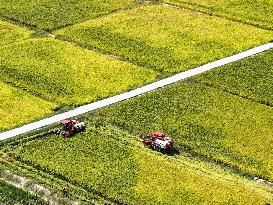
{"points": [[205, 120], [250, 78], [78, 52], [254, 12], [10, 33], [68, 74], [18, 107], [166, 39], [52, 14], [108, 160]]}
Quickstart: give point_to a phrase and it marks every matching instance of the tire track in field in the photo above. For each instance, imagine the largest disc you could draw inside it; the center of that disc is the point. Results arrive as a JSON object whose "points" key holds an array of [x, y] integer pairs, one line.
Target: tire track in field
{"points": [[133, 93]]}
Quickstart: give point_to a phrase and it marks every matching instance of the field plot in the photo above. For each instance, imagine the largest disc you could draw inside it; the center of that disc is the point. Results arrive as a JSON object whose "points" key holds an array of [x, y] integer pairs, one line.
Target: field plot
{"points": [[107, 160], [10, 33], [12, 195], [50, 14], [209, 122], [17, 107], [251, 78], [258, 12], [66, 73], [166, 39]]}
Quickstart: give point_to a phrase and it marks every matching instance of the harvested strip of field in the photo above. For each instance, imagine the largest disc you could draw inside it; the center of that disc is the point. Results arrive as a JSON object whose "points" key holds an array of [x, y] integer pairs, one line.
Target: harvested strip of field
{"points": [[66, 73], [251, 78], [50, 14], [258, 12], [206, 121], [166, 39], [12, 195], [10, 33], [110, 162], [17, 107]]}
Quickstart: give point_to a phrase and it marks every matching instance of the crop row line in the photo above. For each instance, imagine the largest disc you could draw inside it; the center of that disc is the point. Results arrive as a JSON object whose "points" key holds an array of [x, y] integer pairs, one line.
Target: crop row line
{"points": [[33, 26], [30, 92], [133, 93], [131, 143]]}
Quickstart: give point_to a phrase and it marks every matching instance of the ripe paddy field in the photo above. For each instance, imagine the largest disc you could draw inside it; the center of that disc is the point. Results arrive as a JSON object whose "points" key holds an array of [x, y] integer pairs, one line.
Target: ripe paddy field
{"points": [[58, 55]]}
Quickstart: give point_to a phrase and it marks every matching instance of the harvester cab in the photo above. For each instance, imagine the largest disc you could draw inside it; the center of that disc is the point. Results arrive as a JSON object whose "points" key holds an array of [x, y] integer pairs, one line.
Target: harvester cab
{"points": [[71, 127], [158, 141]]}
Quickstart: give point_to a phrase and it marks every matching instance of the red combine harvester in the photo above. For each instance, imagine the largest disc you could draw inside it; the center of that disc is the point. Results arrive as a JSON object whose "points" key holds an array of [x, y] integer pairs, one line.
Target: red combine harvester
{"points": [[71, 127], [158, 141]]}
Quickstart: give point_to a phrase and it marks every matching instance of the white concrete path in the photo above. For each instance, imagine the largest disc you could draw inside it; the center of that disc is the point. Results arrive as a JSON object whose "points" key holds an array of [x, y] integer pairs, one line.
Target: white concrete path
{"points": [[139, 91]]}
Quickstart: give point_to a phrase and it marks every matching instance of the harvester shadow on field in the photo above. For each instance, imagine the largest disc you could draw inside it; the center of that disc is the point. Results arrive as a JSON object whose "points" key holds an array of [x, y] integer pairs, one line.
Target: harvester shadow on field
{"points": [[172, 152]]}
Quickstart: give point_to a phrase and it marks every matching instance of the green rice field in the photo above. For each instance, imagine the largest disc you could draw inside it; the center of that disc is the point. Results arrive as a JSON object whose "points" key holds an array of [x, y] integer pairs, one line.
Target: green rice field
{"points": [[66, 73], [10, 33], [250, 78], [58, 55], [207, 121], [255, 12], [18, 107], [166, 39], [107, 160], [52, 14]]}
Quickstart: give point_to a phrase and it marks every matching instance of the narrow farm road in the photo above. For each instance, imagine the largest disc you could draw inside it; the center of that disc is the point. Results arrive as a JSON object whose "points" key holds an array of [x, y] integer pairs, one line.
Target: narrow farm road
{"points": [[133, 93]]}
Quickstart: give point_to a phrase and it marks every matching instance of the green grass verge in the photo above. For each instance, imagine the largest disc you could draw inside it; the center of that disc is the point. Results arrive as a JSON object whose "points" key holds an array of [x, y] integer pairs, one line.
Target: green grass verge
{"points": [[255, 12], [17, 107], [50, 14], [10, 33], [12, 195], [166, 39], [209, 122], [66, 73], [110, 162], [251, 78]]}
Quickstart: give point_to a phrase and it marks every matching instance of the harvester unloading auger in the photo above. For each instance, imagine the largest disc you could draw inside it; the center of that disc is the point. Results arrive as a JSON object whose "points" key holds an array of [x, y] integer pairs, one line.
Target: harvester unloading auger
{"points": [[71, 127], [158, 141]]}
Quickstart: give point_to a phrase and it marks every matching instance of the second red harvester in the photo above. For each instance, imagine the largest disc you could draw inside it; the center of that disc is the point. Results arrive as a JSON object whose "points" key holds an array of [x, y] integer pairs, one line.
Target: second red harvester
{"points": [[158, 141]]}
